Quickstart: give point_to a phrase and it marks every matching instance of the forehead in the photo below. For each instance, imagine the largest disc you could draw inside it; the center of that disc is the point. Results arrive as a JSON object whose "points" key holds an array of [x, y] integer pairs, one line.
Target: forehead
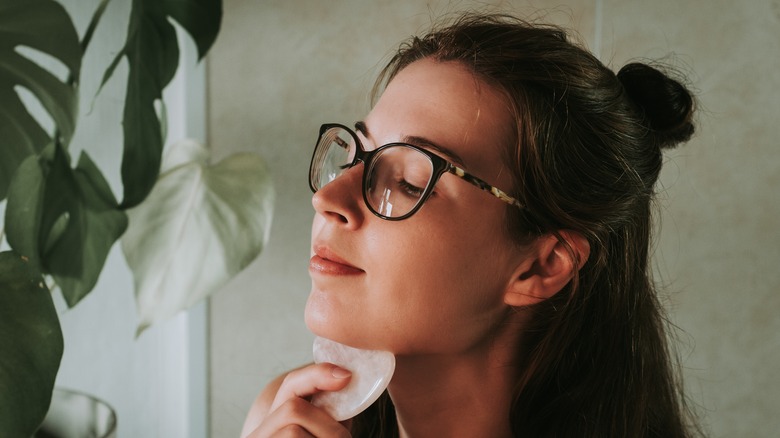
{"points": [[448, 105]]}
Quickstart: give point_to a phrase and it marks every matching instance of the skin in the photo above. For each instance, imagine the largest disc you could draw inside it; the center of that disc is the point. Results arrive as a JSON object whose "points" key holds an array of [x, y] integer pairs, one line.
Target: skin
{"points": [[441, 290], [444, 269]]}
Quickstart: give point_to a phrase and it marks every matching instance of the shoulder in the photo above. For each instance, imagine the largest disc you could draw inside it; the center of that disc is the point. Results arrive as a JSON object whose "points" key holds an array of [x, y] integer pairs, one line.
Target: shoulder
{"points": [[262, 404]]}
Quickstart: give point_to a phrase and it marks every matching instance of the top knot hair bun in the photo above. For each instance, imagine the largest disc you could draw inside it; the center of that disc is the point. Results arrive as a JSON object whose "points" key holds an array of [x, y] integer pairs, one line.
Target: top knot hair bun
{"points": [[666, 104]]}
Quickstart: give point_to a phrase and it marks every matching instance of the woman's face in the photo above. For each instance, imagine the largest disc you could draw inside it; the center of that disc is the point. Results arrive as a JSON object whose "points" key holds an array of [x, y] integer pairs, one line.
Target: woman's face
{"points": [[435, 282]]}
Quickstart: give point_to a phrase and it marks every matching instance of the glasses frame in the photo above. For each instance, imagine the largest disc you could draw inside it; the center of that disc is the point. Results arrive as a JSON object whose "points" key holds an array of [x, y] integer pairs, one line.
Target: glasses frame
{"points": [[440, 167]]}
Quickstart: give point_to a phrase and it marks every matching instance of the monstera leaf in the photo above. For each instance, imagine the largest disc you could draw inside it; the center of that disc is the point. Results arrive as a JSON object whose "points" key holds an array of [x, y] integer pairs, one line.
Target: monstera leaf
{"points": [[21, 135], [63, 220], [200, 225], [30, 346], [153, 55]]}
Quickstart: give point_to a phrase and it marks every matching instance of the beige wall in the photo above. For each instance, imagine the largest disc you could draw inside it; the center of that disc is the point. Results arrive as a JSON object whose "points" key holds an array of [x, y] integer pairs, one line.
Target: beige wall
{"points": [[281, 68]]}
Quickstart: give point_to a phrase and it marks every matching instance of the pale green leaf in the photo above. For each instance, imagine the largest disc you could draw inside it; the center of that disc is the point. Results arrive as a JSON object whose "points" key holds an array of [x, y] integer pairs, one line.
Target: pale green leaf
{"points": [[30, 347], [42, 25], [200, 225]]}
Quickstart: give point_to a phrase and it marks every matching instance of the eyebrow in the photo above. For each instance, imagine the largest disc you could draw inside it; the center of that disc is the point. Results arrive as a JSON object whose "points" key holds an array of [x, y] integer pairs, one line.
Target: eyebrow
{"points": [[418, 141]]}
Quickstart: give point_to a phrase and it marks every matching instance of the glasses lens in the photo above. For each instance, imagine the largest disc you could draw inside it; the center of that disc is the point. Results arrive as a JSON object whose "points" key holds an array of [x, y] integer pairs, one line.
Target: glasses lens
{"points": [[333, 155], [397, 179]]}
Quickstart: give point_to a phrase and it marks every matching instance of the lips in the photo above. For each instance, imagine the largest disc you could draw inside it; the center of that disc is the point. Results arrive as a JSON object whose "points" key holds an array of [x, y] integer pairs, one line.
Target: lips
{"points": [[326, 262]]}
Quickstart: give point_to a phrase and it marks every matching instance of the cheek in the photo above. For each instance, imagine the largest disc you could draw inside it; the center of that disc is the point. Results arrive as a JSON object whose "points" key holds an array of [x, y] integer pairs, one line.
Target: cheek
{"points": [[444, 284], [472, 248], [476, 262], [436, 275]]}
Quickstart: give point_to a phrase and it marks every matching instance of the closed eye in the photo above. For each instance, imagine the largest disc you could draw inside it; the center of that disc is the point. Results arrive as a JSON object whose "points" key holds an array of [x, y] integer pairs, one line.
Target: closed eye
{"points": [[411, 190]]}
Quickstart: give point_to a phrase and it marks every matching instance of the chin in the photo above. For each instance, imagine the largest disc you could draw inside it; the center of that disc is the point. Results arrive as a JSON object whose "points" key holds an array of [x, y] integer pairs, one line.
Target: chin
{"points": [[321, 320], [328, 329], [328, 319], [323, 325]]}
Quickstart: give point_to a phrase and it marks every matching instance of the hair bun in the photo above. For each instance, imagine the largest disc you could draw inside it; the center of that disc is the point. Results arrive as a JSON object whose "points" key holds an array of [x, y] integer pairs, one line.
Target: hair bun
{"points": [[666, 104]]}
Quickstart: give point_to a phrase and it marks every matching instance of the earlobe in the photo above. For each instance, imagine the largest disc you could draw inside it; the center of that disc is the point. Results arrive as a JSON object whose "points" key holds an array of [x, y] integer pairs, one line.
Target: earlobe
{"points": [[554, 261]]}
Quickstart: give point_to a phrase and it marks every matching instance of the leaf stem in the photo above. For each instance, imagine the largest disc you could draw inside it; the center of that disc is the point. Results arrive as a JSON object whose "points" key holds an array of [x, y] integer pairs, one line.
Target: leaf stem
{"points": [[72, 81], [93, 24]]}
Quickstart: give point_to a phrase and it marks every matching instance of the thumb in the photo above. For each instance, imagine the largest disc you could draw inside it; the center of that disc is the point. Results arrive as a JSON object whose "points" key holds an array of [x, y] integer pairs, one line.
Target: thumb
{"points": [[310, 380]]}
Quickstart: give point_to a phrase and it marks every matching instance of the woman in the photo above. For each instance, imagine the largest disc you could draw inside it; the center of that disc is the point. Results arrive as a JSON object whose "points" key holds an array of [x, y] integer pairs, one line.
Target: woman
{"points": [[521, 309]]}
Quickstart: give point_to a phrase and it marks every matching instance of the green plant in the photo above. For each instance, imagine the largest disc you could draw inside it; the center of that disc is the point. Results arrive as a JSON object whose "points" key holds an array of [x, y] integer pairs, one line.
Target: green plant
{"points": [[178, 213]]}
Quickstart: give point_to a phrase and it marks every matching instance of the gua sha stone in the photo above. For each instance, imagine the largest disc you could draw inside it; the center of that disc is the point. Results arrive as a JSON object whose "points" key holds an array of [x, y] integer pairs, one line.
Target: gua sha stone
{"points": [[371, 373]]}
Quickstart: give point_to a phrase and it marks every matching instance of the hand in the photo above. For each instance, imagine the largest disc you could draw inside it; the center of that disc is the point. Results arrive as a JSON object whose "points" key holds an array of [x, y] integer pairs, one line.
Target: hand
{"points": [[290, 414]]}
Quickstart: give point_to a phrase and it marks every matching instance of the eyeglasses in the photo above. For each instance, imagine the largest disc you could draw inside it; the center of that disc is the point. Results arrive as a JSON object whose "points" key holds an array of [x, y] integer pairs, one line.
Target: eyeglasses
{"points": [[397, 177]]}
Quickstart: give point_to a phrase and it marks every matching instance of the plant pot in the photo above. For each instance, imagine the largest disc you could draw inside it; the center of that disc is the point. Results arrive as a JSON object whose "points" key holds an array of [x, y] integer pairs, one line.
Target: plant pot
{"points": [[77, 415]]}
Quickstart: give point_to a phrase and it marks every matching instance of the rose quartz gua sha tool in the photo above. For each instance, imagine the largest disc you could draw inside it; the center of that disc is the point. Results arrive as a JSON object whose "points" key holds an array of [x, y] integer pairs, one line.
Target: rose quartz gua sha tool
{"points": [[371, 373]]}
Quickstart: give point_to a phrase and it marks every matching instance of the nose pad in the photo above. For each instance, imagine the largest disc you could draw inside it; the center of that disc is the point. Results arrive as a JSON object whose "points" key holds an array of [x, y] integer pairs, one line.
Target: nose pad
{"points": [[341, 200]]}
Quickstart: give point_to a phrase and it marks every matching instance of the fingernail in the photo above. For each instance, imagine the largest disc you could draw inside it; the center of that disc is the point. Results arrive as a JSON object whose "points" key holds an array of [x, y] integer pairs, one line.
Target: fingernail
{"points": [[340, 373]]}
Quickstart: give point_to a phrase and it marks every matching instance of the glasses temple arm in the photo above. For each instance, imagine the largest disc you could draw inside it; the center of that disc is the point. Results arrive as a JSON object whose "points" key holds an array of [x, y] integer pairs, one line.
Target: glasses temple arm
{"points": [[481, 184]]}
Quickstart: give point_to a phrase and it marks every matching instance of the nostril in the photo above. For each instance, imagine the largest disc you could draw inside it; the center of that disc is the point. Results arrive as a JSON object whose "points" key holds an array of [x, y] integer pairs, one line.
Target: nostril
{"points": [[340, 217], [340, 201]]}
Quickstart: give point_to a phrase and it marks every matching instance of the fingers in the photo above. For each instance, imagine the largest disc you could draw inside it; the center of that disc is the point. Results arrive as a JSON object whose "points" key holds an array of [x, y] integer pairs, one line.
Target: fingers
{"points": [[291, 414], [297, 417], [308, 381]]}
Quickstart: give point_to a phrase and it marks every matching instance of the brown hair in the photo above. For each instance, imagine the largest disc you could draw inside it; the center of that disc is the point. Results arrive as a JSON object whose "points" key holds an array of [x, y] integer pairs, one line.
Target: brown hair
{"points": [[586, 157]]}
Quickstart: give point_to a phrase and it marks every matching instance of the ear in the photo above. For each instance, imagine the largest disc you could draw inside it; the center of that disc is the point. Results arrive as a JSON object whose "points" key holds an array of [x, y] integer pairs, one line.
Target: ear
{"points": [[553, 262]]}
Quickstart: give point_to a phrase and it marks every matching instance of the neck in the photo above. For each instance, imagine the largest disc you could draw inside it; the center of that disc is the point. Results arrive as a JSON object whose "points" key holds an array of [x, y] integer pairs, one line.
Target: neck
{"points": [[463, 394]]}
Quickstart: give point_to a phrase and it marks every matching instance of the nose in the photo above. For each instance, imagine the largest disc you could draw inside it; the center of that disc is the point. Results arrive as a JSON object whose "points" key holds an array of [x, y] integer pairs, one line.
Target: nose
{"points": [[341, 200]]}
